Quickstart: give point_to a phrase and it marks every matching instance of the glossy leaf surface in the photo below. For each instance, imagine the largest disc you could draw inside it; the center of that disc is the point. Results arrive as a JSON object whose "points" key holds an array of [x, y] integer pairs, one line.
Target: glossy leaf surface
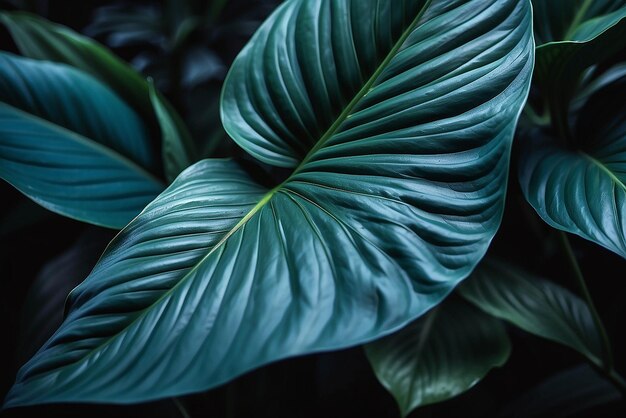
{"points": [[535, 305], [439, 356], [71, 145], [581, 188], [378, 223]]}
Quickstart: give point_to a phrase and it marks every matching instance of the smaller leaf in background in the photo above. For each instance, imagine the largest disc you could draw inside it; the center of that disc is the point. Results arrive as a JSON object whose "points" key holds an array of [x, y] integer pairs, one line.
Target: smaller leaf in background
{"points": [[72, 145], [582, 189], [566, 393], [535, 305], [45, 301], [40, 39], [176, 145], [596, 82], [439, 356], [43, 40], [571, 37]]}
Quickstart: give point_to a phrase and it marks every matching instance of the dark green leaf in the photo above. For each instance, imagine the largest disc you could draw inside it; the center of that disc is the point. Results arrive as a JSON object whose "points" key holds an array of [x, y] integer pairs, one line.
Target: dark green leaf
{"points": [[439, 356], [43, 40], [45, 300], [559, 20], [176, 145], [535, 305], [381, 219], [40, 39], [71, 145], [565, 394], [572, 36], [582, 189]]}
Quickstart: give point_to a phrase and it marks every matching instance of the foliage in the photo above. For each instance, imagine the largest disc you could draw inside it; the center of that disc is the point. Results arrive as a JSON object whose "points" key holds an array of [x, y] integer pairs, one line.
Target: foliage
{"points": [[375, 150]]}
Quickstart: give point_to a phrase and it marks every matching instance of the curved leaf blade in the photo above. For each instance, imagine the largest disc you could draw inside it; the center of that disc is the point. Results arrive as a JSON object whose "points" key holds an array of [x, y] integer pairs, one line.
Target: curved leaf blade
{"points": [[535, 305], [40, 39], [329, 88], [439, 356], [59, 147], [367, 234], [599, 34], [177, 146], [582, 190], [558, 20]]}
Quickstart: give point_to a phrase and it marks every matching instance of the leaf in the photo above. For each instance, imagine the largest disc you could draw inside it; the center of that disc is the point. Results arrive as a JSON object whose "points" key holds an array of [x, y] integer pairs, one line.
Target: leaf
{"points": [[59, 147], [177, 147], [439, 356], [40, 39], [43, 306], [581, 189], [219, 275], [535, 305], [43, 40], [558, 20], [566, 393], [596, 30], [595, 83]]}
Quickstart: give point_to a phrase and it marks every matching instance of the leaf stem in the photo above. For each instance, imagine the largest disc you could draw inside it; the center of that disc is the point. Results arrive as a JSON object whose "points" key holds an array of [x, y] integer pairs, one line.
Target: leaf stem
{"points": [[607, 357], [181, 408]]}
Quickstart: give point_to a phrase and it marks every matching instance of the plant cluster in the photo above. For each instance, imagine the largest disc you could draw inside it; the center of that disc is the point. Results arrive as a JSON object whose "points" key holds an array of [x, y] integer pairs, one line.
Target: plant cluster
{"points": [[379, 154]]}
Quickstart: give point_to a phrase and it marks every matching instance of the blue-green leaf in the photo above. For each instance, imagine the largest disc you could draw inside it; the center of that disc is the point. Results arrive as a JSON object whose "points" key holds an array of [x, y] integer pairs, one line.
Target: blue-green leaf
{"points": [[535, 305], [71, 145], [43, 40], [439, 356], [392, 206], [581, 188]]}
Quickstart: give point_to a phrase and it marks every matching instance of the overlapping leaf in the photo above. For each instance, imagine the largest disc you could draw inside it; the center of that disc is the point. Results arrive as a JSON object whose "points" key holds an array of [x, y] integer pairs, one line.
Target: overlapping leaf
{"points": [[40, 39], [439, 356], [71, 145], [535, 305], [573, 35], [401, 135], [581, 188]]}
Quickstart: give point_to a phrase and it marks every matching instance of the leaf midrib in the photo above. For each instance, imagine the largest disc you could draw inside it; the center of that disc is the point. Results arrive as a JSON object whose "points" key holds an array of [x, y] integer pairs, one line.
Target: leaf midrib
{"points": [[268, 196], [603, 168]]}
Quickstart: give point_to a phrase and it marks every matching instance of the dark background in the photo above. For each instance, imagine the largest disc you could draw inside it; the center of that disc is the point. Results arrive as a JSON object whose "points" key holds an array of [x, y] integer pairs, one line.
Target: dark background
{"points": [[43, 255]]}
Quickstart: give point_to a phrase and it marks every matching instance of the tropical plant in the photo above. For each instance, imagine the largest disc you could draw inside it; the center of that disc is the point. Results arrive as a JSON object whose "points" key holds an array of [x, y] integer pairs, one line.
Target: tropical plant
{"points": [[379, 138]]}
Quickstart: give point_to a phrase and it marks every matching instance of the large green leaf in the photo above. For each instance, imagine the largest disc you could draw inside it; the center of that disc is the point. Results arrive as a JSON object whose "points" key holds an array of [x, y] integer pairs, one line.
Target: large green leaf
{"points": [[40, 39], [392, 207], [571, 37], [535, 305], [581, 188], [439, 356], [71, 145]]}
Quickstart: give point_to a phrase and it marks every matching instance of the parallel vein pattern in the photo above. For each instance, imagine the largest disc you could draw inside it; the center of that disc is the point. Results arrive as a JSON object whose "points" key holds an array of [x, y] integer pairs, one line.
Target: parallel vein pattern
{"points": [[402, 152]]}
